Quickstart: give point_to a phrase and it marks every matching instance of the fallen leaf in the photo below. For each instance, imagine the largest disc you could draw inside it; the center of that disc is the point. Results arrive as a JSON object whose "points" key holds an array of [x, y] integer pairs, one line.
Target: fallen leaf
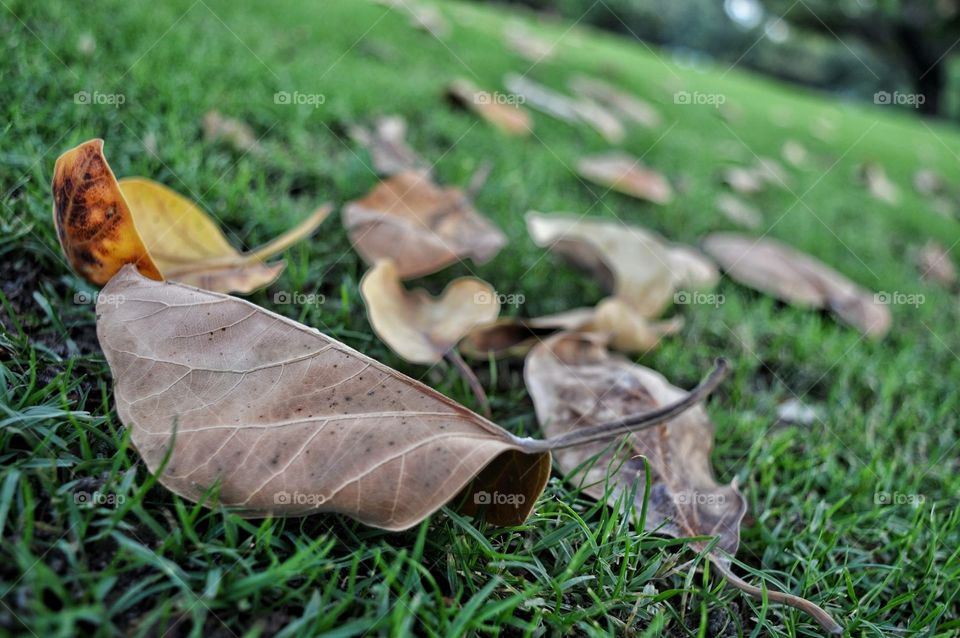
{"points": [[506, 115], [634, 264], [423, 17], [626, 174], [223, 398], [231, 131], [514, 336], [743, 180], [935, 264], [532, 47], [388, 146], [797, 412], [620, 102], [566, 108], [103, 224], [419, 226], [739, 211], [928, 182], [879, 184], [575, 383], [794, 153], [417, 326], [627, 330], [794, 277]]}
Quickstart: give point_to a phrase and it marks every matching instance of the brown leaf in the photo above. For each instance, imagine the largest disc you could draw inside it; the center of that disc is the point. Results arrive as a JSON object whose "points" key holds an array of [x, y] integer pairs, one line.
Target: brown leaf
{"points": [[879, 184], [575, 383], [566, 108], [626, 174], [284, 420], [514, 336], [507, 116], [417, 326], [620, 102], [231, 131], [522, 41], [935, 264], [388, 146], [738, 211], [745, 181], [789, 275], [419, 226], [633, 263]]}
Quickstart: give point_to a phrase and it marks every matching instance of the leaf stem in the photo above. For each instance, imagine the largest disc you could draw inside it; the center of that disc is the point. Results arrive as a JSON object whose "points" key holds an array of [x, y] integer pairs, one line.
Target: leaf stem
{"points": [[467, 372], [635, 422]]}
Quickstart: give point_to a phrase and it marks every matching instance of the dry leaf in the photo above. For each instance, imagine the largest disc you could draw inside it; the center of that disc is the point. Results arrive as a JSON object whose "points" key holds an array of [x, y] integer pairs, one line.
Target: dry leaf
{"points": [[636, 265], [231, 131], [224, 398], [103, 224], [565, 108], [421, 328], [879, 184], [422, 17], [935, 264], [797, 412], [575, 383], [789, 275], [928, 182], [626, 174], [523, 41], [745, 181], [794, 153], [514, 336], [419, 226], [620, 102], [388, 146], [506, 115], [627, 330], [738, 211]]}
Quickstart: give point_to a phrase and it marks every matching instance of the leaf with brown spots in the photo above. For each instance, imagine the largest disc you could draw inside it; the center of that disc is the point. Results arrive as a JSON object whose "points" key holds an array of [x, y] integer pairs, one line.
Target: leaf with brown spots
{"points": [[575, 384], [419, 226], [278, 419], [103, 224]]}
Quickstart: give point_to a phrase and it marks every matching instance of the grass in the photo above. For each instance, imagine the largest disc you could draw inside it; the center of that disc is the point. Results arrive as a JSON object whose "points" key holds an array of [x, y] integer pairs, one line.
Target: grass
{"points": [[142, 562]]}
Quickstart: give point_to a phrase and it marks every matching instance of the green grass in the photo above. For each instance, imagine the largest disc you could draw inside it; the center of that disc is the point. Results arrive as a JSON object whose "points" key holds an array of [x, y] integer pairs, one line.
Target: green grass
{"points": [[154, 565]]}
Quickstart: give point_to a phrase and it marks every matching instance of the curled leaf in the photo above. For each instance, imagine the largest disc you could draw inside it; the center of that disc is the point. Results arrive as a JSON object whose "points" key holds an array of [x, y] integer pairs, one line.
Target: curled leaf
{"points": [[388, 146], [103, 224], [626, 174], [575, 383], [417, 326], [419, 226], [510, 118], [514, 336], [789, 275]]}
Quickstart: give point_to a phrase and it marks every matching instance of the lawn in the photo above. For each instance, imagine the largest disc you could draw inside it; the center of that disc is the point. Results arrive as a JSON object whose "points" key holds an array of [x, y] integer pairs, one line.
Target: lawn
{"points": [[142, 562]]}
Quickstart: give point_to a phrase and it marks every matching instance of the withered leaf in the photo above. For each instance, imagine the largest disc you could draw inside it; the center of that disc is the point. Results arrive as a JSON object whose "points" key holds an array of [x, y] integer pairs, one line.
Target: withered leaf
{"points": [[103, 224], [878, 184], [565, 108], [935, 264], [575, 383], [285, 420], [792, 276], [626, 174], [619, 101], [507, 116], [419, 226], [417, 326], [524, 42], [388, 146], [233, 132], [223, 397], [738, 211]]}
